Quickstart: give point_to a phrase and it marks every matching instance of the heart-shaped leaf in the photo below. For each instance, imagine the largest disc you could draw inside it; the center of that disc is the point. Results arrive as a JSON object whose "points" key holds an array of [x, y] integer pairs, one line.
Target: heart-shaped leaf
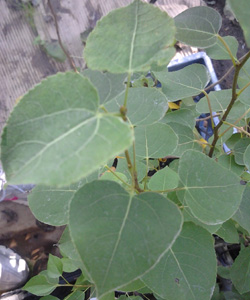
{"points": [[120, 236], [107, 84], [218, 51], [163, 180], [198, 26], [242, 14], [240, 271], [188, 269], [212, 193], [189, 81], [242, 214], [130, 39], [154, 141], [50, 205], [145, 105], [55, 136]]}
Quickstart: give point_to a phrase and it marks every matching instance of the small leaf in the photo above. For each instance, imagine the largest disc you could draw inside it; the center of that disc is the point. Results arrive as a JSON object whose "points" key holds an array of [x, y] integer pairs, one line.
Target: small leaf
{"points": [[182, 116], [186, 139], [224, 272], [242, 214], [198, 26], [107, 84], [188, 269], [228, 162], [55, 136], [39, 285], [54, 50], [50, 205], [107, 175], [218, 51], [241, 13], [239, 150], [49, 297], [155, 141], [68, 265], [68, 249], [76, 295], [189, 81], [244, 78], [163, 180], [189, 217], [246, 157], [240, 271], [145, 105], [219, 101], [130, 39], [228, 232], [54, 267], [212, 192], [106, 225]]}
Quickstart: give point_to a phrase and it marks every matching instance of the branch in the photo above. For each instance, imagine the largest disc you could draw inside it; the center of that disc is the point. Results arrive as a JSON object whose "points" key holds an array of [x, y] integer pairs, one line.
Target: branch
{"points": [[59, 38]]}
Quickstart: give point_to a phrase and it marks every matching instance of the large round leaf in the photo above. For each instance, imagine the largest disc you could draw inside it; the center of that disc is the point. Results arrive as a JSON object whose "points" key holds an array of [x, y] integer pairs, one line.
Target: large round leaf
{"points": [[189, 81], [120, 236], [130, 39], [242, 15], [145, 105], [188, 270], [154, 141], [50, 205], [213, 193], [198, 26], [55, 136]]}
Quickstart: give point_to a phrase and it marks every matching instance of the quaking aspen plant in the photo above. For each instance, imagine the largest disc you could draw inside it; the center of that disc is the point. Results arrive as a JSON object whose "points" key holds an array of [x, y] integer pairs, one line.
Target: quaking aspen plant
{"points": [[142, 195]]}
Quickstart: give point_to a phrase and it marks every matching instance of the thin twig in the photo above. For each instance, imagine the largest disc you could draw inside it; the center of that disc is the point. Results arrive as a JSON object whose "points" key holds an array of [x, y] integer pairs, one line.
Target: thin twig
{"points": [[220, 80], [208, 117], [59, 38], [234, 97]]}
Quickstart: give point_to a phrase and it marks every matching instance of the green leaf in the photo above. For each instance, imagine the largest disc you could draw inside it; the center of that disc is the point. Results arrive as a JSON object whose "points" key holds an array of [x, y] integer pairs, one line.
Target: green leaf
{"points": [[120, 236], [108, 85], [55, 136], [186, 139], [244, 77], [212, 192], [39, 285], [218, 51], [54, 267], [188, 269], [130, 39], [68, 265], [224, 272], [228, 232], [240, 271], [49, 297], [182, 116], [189, 217], [228, 162], [133, 286], [163, 180], [189, 81], [154, 141], [50, 205], [219, 101], [246, 157], [237, 111], [239, 150], [76, 295], [242, 15], [54, 50], [110, 176], [68, 249], [198, 26], [242, 214], [145, 105]]}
